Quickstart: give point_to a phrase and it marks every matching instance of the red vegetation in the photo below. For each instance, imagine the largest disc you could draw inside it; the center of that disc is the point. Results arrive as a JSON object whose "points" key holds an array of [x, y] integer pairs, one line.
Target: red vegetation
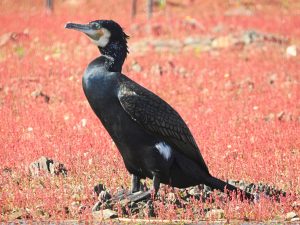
{"points": [[242, 103]]}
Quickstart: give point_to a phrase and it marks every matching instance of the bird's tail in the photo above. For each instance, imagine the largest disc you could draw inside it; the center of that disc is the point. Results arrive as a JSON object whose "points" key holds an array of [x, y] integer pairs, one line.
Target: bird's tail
{"points": [[216, 183]]}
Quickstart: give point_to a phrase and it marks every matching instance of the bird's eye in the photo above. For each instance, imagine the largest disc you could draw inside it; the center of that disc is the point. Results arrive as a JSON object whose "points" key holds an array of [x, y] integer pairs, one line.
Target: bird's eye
{"points": [[95, 25]]}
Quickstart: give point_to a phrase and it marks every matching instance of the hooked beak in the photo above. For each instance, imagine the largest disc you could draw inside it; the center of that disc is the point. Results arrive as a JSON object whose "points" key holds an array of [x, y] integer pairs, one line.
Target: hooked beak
{"points": [[85, 28], [79, 27]]}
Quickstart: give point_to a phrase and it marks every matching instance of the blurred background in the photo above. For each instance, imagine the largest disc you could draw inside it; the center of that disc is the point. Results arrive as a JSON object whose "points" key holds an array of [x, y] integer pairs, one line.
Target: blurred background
{"points": [[197, 14]]}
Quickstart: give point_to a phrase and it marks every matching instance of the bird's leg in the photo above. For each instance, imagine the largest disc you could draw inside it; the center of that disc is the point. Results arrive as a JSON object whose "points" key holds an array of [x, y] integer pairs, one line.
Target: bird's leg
{"points": [[155, 184], [135, 183], [142, 195]]}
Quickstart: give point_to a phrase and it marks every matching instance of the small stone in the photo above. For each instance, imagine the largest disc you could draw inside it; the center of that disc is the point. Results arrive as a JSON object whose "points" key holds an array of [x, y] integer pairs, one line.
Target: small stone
{"points": [[4, 38], [83, 122], [192, 40], [156, 69], [280, 115], [194, 191], [197, 44], [47, 165], [7, 170], [191, 191], [270, 117], [250, 36], [291, 51], [36, 93], [193, 23], [136, 67], [215, 214], [232, 182], [290, 215], [241, 184], [222, 42], [273, 78], [105, 214], [15, 215], [229, 85], [39, 93], [182, 71], [296, 205], [295, 219]]}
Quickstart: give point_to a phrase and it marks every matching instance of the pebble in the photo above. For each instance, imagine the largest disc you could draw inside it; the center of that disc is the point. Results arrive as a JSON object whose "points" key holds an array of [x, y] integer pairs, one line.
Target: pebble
{"points": [[290, 215], [105, 214], [291, 51], [210, 43], [47, 165], [109, 214], [215, 214], [136, 67], [39, 93], [144, 207], [15, 215], [295, 219]]}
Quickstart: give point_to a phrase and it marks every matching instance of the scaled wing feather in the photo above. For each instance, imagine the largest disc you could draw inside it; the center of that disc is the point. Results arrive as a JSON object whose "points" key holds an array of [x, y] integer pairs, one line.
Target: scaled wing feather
{"points": [[158, 118]]}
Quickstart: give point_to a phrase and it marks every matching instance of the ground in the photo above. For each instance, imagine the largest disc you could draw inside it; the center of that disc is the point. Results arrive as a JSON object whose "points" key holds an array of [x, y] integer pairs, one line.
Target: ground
{"points": [[230, 68]]}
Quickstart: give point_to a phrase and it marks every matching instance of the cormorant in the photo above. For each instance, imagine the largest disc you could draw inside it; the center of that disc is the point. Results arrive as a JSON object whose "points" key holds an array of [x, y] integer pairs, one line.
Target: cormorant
{"points": [[152, 138]]}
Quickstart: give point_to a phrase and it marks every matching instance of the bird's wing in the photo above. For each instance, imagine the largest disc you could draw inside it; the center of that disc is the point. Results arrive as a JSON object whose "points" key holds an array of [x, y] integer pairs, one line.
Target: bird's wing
{"points": [[158, 118]]}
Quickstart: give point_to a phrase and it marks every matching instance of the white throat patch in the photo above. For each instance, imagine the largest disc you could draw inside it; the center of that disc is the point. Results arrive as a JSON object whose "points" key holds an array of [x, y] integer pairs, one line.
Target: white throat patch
{"points": [[164, 149], [104, 38]]}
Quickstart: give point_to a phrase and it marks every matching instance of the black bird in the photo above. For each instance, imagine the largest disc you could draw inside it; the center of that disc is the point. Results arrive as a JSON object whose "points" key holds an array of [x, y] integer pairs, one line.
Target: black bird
{"points": [[152, 138]]}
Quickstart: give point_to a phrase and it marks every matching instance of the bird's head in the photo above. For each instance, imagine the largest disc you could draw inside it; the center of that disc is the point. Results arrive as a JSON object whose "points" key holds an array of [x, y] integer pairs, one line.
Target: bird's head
{"points": [[106, 34]]}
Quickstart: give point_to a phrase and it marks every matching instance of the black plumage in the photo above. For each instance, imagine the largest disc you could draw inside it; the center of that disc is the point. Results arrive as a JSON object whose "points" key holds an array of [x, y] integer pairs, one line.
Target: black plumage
{"points": [[152, 138]]}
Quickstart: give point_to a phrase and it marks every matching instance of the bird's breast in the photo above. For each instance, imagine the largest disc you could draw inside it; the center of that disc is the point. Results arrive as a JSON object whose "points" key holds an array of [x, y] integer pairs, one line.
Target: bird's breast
{"points": [[99, 84]]}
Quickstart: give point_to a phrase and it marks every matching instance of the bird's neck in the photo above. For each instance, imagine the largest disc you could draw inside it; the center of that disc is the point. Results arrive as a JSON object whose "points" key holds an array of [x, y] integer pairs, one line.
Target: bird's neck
{"points": [[115, 53]]}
